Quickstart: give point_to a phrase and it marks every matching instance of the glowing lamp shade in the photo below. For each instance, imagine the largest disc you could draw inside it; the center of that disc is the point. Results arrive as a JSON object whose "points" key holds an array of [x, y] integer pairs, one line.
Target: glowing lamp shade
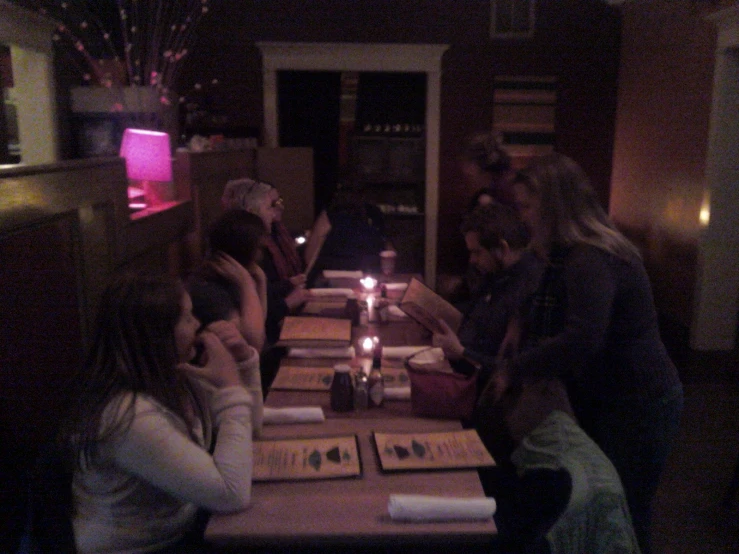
{"points": [[147, 155], [149, 166]]}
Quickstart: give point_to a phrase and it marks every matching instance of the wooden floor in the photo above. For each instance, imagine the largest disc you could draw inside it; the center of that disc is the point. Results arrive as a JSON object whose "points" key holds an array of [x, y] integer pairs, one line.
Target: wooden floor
{"points": [[688, 512]]}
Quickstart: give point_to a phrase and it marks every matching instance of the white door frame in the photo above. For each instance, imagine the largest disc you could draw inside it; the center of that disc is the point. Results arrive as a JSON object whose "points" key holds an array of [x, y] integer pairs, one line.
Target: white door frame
{"points": [[716, 305], [409, 58]]}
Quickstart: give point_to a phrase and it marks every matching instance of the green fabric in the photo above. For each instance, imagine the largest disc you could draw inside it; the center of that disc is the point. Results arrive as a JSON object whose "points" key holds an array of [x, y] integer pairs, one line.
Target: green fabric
{"points": [[596, 519]]}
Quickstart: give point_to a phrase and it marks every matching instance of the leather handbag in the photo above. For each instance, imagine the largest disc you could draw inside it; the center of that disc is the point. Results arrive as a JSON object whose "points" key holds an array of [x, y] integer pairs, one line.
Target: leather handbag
{"points": [[441, 393]]}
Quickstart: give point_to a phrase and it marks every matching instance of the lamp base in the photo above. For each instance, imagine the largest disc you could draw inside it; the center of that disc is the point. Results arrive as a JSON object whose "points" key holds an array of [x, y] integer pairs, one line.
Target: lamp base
{"points": [[158, 192]]}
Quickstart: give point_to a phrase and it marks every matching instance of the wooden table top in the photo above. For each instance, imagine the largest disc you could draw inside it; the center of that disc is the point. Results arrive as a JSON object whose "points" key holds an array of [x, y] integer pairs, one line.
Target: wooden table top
{"points": [[345, 512], [352, 513]]}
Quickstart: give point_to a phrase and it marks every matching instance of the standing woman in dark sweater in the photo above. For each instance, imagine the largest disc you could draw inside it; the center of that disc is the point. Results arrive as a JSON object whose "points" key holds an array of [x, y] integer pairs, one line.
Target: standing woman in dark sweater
{"points": [[593, 323]]}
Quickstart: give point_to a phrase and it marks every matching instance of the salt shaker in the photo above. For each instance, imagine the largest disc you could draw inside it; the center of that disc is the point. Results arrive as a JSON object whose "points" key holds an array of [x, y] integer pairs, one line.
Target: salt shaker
{"points": [[342, 390]]}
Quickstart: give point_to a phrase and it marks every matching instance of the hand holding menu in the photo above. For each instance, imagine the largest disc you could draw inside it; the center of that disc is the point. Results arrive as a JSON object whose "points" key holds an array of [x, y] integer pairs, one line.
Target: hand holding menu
{"points": [[426, 307]]}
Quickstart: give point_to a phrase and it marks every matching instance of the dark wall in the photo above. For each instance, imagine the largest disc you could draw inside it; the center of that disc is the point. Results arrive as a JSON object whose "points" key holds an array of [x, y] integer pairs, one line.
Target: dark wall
{"points": [[575, 40]]}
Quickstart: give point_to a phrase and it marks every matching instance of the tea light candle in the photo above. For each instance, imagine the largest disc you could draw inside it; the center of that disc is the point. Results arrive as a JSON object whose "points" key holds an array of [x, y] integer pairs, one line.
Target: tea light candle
{"points": [[366, 351], [369, 283], [368, 346]]}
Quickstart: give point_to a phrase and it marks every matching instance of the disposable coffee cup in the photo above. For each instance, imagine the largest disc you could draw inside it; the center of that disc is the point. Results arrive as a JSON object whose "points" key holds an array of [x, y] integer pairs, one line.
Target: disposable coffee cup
{"points": [[387, 261]]}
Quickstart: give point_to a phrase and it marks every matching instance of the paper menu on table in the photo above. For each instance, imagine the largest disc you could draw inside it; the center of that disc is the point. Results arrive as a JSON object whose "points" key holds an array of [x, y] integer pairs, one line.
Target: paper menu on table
{"points": [[303, 378], [318, 332], [308, 458], [437, 450]]}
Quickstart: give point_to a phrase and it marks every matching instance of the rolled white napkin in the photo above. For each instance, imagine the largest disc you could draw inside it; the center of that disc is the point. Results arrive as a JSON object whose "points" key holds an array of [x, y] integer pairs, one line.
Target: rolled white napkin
{"points": [[402, 352], [397, 312], [397, 393], [346, 352], [332, 292], [341, 274], [396, 286], [302, 414], [422, 508]]}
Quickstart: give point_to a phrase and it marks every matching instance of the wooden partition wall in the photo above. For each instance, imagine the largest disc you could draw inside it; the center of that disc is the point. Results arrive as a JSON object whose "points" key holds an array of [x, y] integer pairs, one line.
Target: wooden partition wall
{"points": [[64, 229]]}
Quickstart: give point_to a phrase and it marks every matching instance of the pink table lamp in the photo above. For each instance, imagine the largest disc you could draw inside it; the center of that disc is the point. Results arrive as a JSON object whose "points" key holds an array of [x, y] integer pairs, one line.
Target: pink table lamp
{"points": [[149, 162]]}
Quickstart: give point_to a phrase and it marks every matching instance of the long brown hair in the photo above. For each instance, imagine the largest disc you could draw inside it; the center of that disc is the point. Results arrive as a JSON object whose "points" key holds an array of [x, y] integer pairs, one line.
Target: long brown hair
{"points": [[570, 208], [133, 352]]}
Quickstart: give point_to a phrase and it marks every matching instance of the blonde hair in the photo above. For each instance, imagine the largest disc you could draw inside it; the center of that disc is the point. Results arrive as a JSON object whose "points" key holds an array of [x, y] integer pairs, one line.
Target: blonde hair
{"points": [[570, 208], [244, 194]]}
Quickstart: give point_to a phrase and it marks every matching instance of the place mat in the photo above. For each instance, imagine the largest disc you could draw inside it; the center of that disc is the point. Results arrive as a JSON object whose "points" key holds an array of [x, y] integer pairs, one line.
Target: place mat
{"points": [[402, 352], [315, 332], [342, 352], [332, 292], [305, 459], [325, 307], [341, 274], [293, 414], [303, 378], [425, 451]]}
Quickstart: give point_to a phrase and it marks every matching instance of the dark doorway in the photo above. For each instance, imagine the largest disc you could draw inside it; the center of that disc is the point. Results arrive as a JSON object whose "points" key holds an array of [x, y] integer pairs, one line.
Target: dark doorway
{"points": [[308, 108]]}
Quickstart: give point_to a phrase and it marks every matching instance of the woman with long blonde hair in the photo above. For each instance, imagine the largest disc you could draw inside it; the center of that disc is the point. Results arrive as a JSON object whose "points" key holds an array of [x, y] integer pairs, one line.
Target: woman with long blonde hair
{"points": [[593, 323]]}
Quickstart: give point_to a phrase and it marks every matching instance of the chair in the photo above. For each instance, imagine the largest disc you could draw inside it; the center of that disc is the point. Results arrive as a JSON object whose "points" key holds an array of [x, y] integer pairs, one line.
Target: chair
{"points": [[731, 491], [49, 527]]}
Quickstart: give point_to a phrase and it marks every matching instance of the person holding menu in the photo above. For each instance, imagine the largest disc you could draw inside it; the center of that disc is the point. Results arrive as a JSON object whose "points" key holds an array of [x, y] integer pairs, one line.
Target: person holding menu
{"points": [[497, 241]]}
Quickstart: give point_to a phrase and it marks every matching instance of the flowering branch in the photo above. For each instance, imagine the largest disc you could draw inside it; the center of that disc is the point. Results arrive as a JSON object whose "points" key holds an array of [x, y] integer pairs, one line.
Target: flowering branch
{"points": [[153, 38]]}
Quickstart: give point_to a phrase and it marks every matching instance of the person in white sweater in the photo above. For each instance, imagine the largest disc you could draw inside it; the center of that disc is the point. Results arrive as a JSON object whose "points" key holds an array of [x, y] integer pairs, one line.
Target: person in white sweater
{"points": [[144, 419]]}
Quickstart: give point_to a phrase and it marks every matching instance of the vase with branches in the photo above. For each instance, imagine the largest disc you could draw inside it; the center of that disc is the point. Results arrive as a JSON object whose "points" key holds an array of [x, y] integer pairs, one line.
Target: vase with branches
{"points": [[130, 53]]}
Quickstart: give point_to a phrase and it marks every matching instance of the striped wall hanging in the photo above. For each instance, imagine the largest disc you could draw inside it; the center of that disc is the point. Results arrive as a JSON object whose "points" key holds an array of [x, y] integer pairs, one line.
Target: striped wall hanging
{"points": [[524, 115]]}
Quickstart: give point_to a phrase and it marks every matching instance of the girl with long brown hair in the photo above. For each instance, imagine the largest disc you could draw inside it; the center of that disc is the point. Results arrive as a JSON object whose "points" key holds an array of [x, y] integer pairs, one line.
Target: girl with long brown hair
{"points": [[142, 419]]}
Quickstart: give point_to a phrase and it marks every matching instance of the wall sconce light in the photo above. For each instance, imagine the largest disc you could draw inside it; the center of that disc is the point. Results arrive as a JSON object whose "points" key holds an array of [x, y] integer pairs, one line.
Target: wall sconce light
{"points": [[148, 167]]}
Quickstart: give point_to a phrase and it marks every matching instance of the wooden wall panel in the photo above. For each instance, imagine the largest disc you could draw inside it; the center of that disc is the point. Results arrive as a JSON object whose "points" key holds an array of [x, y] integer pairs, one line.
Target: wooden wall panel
{"points": [[40, 325]]}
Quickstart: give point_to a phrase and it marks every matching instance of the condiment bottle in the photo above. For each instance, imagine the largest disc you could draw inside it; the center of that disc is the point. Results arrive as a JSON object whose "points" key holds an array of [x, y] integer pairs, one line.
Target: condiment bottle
{"points": [[361, 392], [375, 384], [342, 390], [383, 304]]}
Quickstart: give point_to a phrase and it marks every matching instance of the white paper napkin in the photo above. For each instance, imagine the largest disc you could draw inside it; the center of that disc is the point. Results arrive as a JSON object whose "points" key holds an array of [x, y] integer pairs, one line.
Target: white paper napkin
{"points": [[396, 286], [421, 508], [341, 274], [402, 352], [397, 312], [347, 352], [302, 414], [397, 393], [349, 293]]}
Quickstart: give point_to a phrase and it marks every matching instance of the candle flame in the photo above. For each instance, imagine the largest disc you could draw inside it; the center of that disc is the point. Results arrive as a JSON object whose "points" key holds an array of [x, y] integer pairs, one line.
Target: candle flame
{"points": [[368, 283], [367, 344]]}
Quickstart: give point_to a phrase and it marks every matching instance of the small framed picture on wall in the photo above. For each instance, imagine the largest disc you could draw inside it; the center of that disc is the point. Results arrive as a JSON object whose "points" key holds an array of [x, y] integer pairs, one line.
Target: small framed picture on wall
{"points": [[512, 18]]}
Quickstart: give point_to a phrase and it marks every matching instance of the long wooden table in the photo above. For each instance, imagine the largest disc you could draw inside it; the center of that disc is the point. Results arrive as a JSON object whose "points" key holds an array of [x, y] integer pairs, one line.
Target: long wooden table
{"points": [[351, 514]]}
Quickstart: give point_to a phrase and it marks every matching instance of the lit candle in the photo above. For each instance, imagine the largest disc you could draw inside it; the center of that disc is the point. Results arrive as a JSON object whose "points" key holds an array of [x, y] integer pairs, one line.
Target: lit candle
{"points": [[368, 283], [368, 346]]}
